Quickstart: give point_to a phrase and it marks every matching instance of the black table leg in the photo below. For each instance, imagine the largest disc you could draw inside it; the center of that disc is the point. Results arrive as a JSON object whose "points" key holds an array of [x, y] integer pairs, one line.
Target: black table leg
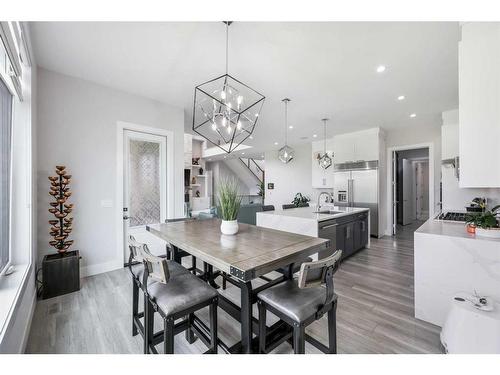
{"points": [[246, 317], [176, 255]]}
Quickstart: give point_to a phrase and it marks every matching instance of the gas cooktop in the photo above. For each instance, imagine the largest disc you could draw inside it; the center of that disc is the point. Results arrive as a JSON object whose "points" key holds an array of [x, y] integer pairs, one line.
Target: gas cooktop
{"points": [[458, 217]]}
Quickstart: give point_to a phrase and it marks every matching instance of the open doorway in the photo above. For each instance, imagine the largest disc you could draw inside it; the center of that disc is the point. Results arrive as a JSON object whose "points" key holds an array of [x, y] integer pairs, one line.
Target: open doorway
{"points": [[411, 182]]}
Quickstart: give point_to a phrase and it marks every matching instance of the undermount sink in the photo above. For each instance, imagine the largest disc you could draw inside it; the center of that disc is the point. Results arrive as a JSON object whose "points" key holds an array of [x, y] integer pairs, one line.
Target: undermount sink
{"points": [[329, 212]]}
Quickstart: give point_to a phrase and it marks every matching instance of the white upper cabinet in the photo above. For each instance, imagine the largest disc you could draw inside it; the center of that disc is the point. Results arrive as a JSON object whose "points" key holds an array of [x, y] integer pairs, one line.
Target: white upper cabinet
{"points": [[479, 105], [357, 146], [362, 145]]}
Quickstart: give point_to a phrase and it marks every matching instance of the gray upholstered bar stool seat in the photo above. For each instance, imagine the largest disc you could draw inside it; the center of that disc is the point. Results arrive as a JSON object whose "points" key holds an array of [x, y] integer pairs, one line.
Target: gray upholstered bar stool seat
{"points": [[298, 304], [182, 292], [301, 302]]}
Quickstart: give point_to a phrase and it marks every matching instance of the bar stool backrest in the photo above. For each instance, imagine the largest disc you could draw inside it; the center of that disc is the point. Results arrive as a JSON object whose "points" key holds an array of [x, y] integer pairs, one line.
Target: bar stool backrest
{"points": [[155, 267], [136, 251], [319, 272]]}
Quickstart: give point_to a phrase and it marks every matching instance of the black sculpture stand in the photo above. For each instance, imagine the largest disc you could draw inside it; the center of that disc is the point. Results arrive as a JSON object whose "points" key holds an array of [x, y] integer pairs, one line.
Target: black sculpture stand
{"points": [[61, 274]]}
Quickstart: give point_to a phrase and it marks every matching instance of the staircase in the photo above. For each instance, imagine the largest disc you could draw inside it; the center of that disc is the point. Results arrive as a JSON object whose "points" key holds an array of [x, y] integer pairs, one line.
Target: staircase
{"points": [[255, 167]]}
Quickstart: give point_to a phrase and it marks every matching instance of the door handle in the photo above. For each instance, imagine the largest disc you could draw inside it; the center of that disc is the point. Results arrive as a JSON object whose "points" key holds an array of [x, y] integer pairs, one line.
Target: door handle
{"points": [[125, 217]]}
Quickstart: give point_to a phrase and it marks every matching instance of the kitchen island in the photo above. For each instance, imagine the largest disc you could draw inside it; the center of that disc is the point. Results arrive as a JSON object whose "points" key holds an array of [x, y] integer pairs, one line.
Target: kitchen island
{"points": [[448, 260], [347, 228]]}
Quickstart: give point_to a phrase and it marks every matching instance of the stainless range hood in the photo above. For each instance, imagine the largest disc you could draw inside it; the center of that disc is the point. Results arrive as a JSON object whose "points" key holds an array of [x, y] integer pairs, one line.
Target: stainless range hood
{"points": [[452, 163]]}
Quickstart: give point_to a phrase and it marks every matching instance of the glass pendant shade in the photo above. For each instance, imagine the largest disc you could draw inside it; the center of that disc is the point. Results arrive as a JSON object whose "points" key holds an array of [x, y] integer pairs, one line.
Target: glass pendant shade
{"points": [[225, 110], [286, 154], [325, 161]]}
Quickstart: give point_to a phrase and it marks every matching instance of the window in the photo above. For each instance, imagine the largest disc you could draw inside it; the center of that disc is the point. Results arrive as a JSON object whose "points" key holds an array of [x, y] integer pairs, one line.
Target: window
{"points": [[5, 158]]}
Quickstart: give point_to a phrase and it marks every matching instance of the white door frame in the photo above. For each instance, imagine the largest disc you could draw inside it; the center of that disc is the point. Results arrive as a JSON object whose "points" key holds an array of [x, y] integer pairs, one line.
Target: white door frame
{"points": [[390, 174], [121, 127]]}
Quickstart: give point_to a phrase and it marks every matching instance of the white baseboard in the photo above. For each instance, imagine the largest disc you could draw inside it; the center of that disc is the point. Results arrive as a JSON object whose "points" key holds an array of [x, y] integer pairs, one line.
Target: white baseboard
{"points": [[95, 269]]}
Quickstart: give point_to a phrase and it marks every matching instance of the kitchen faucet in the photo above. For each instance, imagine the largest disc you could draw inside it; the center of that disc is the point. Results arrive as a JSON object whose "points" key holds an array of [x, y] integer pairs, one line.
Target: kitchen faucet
{"points": [[329, 200]]}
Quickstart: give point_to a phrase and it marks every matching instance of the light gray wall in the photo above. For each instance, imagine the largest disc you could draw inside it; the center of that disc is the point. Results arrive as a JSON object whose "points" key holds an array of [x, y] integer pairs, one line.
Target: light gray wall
{"points": [[78, 128], [289, 179]]}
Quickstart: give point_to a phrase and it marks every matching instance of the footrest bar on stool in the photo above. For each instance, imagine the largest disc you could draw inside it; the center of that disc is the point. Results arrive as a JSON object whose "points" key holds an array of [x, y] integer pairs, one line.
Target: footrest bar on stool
{"points": [[311, 340]]}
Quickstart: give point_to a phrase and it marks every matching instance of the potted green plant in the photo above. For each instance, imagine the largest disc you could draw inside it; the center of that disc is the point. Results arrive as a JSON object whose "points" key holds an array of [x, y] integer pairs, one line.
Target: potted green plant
{"points": [[300, 200], [485, 223], [228, 202]]}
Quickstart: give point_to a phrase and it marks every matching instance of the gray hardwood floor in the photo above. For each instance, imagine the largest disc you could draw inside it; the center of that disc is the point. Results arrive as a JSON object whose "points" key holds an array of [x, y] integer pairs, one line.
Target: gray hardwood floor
{"points": [[375, 311]]}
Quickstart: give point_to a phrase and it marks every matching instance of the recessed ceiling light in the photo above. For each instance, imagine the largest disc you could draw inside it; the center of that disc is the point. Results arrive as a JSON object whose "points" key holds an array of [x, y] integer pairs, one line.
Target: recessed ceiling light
{"points": [[413, 115], [251, 137], [290, 127], [225, 157], [275, 143], [242, 153], [315, 135], [380, 68], [401, 97]]}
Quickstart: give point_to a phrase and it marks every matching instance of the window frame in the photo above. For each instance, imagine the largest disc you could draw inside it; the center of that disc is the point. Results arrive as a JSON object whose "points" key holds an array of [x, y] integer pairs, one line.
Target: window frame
{"points": [[6, 70], [4, 268]]}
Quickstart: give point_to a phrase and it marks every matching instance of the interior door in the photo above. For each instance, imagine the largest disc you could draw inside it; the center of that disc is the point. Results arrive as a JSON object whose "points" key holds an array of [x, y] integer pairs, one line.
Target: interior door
{"points": [[144, 187], [408, 212]]}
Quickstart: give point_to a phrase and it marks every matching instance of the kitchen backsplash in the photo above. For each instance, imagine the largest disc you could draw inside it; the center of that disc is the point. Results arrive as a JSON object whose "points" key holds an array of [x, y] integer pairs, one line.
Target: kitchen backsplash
{"points": [[456, 198]]}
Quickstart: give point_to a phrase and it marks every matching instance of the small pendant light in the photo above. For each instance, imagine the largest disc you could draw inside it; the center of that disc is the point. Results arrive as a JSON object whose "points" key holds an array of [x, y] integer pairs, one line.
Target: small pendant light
{"points": [[324, 160], [286, 153]]}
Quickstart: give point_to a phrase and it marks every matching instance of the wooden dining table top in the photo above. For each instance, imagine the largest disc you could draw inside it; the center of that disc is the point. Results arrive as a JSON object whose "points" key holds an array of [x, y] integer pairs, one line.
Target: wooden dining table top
{"points": [[252, 252]]}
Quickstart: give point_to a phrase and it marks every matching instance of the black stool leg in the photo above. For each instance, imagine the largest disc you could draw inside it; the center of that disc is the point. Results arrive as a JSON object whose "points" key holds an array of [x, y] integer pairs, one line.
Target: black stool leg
{"points": [[168, 335], [148, 324], [299, 344], [193, 265], [332, 329], [213, 326], [135, 305], [262, 327], [190, 337], [224, 282]]}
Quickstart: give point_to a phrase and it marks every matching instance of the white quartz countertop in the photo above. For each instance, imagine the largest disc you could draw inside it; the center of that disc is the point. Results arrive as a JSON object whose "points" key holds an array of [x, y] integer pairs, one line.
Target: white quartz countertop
{"points": [[309, 212], [457, 230]]}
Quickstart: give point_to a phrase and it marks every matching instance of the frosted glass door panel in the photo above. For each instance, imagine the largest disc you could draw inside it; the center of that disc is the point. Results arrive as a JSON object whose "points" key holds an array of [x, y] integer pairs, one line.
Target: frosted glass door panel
{"points": [[144, 183]]}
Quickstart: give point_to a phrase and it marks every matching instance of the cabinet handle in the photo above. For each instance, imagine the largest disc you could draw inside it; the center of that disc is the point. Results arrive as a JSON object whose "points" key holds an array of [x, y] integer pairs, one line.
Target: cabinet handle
{"points": [[329, 226], [362, 226], [348, 232]]}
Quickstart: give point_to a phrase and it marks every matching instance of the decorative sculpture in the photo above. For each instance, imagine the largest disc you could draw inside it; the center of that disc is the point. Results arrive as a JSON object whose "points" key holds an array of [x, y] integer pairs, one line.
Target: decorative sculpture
{"points": [[61, 226]]}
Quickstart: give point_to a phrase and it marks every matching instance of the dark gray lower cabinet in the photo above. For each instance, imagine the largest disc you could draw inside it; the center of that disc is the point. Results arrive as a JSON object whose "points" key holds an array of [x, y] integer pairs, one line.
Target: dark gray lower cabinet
{"points": [[348, 233]]}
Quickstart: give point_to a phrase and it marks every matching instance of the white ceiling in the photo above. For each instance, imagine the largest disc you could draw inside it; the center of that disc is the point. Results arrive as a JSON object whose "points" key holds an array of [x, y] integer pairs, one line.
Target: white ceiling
{"points": [[327, 69]]}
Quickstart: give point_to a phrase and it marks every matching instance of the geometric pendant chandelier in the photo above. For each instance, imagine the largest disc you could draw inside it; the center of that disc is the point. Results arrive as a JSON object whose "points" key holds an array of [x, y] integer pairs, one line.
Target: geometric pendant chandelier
{"points": [[325, 161], [286, 153], [226, 110]]}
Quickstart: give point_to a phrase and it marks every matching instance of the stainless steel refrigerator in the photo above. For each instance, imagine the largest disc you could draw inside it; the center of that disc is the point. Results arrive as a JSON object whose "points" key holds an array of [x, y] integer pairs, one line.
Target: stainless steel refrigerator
{"points": [[356, 185]]}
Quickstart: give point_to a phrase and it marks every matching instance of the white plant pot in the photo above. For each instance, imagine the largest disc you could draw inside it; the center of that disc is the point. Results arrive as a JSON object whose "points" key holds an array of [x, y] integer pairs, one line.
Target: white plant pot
{"points": [[491, 233], [229, 227]]}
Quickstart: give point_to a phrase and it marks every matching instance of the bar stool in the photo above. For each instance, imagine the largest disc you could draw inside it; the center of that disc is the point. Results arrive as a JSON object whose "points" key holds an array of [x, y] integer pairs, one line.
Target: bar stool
{"points": [[136, 267], [299, 303], [175, 295]]}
